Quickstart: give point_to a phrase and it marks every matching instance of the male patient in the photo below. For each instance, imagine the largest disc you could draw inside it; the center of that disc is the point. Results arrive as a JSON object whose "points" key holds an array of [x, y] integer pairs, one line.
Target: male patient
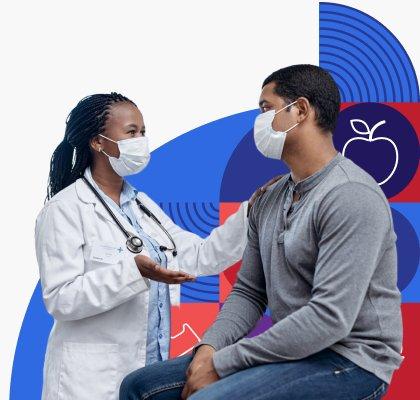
{"points": [[321, 254]]}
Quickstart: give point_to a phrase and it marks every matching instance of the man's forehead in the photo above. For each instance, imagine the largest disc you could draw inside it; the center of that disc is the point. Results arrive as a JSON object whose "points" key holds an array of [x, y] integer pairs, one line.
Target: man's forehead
{"points": [[268, 92]]}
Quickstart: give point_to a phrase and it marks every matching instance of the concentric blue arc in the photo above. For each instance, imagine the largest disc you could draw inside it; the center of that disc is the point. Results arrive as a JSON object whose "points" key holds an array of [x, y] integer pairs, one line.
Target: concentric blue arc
{"points": [[364, 57], [204, 290], [200, 218]]}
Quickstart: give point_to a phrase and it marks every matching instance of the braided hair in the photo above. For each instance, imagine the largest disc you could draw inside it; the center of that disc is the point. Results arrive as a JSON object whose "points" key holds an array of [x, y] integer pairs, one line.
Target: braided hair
{"points": [[73, 154]]}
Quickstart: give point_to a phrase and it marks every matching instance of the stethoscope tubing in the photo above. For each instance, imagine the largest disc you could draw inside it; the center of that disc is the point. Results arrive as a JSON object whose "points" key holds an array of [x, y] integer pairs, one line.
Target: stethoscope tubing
{"points": [[127, 234]]}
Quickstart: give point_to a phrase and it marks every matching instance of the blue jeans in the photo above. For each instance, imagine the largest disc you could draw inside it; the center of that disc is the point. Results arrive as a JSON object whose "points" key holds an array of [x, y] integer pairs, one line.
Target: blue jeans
{"points": [[324, 375]]}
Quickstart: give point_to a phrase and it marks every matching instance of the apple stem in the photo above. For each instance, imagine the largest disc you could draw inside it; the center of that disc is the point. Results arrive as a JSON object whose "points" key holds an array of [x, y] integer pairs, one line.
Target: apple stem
{"points": [[377, 125]]}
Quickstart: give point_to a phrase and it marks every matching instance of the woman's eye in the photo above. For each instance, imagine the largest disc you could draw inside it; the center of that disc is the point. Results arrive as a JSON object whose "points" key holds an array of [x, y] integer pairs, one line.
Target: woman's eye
{"points": [[143, 133]]}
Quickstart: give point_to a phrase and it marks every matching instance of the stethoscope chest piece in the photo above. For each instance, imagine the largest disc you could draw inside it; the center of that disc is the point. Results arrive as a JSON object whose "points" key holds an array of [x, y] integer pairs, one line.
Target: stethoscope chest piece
{"points": [[134, 244]]}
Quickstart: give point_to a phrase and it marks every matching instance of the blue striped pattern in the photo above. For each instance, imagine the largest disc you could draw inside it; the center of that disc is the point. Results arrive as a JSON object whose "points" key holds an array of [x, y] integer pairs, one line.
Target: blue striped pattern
{"points": [[200, 218], [366, 60]]}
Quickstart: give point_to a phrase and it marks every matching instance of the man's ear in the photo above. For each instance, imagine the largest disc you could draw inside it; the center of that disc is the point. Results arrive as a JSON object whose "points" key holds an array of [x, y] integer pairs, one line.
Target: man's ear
{"points": [[303, 107]]}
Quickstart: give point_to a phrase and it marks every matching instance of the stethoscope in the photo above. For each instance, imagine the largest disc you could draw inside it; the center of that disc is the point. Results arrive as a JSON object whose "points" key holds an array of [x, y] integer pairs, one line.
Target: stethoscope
{"points": [[134, 243]]}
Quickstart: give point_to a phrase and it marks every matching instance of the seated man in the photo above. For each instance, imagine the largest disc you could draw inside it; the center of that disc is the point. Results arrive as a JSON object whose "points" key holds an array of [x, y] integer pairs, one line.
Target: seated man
{"points": [[321, 254]]}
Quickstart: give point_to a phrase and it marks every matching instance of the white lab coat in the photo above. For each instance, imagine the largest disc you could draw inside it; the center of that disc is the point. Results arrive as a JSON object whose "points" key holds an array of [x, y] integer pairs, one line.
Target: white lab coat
{"points": [[100, 307]]}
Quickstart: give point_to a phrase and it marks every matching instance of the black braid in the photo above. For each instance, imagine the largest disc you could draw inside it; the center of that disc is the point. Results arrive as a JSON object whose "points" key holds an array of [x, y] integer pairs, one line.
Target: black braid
{"points": [[72, 155]]}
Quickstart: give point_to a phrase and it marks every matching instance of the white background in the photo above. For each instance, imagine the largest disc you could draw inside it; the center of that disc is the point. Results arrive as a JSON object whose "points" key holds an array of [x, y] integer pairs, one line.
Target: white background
{"points": [[184, 63]]}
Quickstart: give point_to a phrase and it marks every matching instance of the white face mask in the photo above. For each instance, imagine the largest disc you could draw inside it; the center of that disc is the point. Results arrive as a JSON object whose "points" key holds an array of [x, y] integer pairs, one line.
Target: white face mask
{"points": [[268, 141], [134, 155]]}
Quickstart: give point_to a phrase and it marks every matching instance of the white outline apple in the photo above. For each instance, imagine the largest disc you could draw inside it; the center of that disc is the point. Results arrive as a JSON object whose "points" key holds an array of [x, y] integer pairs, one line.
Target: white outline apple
{"points": [[370, 139]]}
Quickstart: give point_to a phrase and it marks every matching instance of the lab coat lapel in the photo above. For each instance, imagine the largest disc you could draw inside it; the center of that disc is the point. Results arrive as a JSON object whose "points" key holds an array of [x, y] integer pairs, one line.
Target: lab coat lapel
{"points": [[86, 195], [101, 210]]}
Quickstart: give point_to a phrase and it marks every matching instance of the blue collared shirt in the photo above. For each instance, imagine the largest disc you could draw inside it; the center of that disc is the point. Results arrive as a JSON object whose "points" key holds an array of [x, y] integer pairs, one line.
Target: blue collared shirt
{"points": [[159, 318]]}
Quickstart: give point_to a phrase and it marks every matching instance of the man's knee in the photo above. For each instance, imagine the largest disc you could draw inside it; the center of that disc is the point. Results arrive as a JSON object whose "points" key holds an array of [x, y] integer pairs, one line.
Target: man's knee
{"points": [[132, 385], [160, 375]]}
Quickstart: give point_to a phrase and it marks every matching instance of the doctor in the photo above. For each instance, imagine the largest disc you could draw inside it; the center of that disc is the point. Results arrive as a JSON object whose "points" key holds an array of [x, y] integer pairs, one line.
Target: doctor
{"points": [[111, 306]]}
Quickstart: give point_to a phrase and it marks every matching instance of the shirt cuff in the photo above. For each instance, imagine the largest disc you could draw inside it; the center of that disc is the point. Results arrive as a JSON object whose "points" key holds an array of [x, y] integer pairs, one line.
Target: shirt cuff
{"points": [[247, 208], [207, 342], [213, 338], [195, 348], [226, 361], [245, 205], [139, 283]]}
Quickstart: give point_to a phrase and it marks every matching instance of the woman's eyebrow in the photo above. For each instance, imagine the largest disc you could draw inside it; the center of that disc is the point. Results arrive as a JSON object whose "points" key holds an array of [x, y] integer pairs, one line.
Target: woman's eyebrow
{"points": [[134, 126]]}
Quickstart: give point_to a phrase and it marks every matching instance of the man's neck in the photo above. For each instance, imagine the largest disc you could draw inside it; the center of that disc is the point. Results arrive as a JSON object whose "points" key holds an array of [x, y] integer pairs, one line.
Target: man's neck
{"points": [[309, 158]]}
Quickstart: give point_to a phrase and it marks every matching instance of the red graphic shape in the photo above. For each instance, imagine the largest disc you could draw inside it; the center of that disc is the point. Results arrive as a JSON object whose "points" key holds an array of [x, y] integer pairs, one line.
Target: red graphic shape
{"points": [[404, 380], [189, 321], [227, 280]]}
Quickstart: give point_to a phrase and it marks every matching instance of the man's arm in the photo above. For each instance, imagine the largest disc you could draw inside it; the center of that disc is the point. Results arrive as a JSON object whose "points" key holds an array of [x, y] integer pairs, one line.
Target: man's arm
{"points": [[353, 225], [241, 311], [247, 300]]}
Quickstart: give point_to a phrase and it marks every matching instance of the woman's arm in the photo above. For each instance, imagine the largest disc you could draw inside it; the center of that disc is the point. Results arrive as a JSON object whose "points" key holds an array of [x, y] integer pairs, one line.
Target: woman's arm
{"points": [[221, 249], [213, 254]]}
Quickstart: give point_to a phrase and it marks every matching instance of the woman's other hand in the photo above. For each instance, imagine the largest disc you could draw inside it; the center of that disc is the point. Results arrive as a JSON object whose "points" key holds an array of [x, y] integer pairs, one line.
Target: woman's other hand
{"points": [[261, 190]]}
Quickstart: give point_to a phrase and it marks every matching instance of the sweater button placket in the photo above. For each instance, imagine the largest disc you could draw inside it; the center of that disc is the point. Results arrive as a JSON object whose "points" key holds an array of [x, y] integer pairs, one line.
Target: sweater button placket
{"points": [[287, 205]]}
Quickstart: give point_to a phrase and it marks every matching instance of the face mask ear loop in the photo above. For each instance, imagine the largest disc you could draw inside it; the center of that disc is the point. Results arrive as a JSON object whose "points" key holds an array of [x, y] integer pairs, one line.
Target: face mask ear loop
{"points": [[297, 123], [102, 151], [100, 134], [281, 109]]}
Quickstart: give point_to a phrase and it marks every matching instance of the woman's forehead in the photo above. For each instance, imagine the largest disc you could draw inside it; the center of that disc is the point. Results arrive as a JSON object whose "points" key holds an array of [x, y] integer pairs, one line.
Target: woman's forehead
{"points": [[124, 113]]}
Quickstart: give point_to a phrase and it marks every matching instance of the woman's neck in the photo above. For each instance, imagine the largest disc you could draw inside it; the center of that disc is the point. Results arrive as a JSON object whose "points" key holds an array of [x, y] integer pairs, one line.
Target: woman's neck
{"points": [[109, 182]]}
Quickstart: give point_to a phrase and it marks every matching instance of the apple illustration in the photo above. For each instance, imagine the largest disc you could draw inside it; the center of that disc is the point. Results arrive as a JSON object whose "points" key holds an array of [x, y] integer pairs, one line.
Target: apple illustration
{"points": [[371, 148]]}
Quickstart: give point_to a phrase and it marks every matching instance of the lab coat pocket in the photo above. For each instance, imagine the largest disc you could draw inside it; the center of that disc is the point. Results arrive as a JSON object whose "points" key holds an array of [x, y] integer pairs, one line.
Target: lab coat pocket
{"points": [[106, 252], [100, 254], [88, 371]]}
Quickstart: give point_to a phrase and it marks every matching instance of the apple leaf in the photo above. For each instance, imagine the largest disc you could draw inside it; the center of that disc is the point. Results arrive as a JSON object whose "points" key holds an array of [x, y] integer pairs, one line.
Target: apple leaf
{"points": [[362, 124]]}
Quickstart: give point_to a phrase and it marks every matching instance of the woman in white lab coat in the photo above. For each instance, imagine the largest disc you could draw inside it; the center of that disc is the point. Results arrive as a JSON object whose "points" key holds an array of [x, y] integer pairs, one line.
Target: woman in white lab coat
{"points": [[97, 291]]}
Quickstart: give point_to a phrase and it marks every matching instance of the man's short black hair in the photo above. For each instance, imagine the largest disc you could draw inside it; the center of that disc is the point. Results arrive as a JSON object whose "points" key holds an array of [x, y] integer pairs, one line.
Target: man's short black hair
{"points": [[314, 83]]}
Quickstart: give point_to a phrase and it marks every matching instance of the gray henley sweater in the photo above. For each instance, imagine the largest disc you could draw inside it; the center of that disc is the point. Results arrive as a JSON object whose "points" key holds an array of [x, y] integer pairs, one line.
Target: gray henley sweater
{"points": [[326, 266]]}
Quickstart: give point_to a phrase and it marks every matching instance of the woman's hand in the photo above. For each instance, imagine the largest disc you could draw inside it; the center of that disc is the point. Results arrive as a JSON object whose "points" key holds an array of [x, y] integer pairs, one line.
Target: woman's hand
{"points": [[261, 190], [150, 269]]}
